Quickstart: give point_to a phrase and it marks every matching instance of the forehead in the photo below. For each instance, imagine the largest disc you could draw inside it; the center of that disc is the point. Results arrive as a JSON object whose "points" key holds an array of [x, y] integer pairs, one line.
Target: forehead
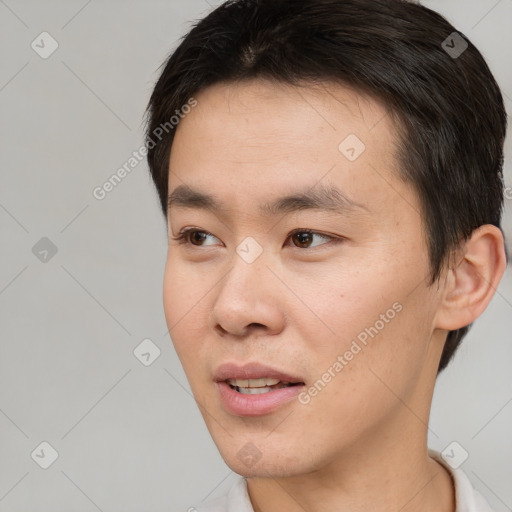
{"points": [[326, 105], [255, 138]]}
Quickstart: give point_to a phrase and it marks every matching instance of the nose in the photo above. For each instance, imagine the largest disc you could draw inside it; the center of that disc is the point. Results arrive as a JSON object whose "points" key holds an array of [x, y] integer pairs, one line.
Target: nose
{"points": [[248, 302]]}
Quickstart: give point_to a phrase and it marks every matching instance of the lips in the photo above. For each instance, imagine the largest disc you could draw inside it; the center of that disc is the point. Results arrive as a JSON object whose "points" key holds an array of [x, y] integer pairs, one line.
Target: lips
{"points": [[253, 375], [254, 389]]}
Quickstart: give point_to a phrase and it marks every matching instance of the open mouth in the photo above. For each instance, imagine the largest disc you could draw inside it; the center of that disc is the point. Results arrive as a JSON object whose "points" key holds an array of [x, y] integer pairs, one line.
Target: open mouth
{"points": [[258, 386]]}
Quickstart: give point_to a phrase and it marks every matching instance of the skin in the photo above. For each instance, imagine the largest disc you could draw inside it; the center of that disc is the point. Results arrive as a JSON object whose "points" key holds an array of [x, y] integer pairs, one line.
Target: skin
{"points": [[360, 443]]}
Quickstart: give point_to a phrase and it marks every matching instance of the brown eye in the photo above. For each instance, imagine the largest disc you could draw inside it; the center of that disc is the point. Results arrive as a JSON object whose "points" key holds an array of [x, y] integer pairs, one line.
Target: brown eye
{"points": [[197, 236], [193, 237], [302, 238]]}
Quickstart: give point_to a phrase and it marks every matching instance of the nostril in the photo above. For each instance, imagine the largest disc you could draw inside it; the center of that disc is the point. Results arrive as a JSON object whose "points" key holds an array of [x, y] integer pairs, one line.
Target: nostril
{"points": [[220, 330]]}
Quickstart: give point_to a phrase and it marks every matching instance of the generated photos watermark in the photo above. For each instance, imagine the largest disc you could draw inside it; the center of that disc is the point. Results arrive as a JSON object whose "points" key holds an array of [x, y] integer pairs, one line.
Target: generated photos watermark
{"points": [[356, 346], [100, 192]]}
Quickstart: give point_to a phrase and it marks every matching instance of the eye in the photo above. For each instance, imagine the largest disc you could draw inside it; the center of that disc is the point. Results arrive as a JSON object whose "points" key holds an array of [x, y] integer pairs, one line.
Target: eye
{"points": [[302, 238], [192, 236]]}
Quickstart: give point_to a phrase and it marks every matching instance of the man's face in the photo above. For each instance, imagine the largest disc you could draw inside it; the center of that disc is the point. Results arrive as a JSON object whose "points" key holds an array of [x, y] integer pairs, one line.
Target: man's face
{"points": [[345, 311]]}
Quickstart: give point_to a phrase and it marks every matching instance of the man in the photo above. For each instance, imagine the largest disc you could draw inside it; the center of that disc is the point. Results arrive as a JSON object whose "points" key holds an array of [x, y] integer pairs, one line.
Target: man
{"points": [[333, 190]]}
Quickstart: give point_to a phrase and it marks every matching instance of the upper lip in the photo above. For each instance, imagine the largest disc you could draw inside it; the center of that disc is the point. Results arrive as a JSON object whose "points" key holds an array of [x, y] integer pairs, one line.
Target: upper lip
{"points": [[251, 370]]}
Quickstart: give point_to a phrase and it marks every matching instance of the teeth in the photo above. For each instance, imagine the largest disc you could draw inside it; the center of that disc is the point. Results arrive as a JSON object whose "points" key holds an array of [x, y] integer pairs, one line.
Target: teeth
{"points": [[256, 386], [253, 383], [253, 391]]}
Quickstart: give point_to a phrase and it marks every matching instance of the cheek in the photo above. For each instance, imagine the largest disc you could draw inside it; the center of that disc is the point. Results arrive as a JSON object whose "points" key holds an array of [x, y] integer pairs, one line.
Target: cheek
{"points": [[184, 289], [365, 328], [185, 305], [343, 306]]}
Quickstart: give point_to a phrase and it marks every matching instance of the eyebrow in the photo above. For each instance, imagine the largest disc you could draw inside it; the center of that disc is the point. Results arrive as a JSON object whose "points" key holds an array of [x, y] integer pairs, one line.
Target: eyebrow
{"points": [[320, 197]]}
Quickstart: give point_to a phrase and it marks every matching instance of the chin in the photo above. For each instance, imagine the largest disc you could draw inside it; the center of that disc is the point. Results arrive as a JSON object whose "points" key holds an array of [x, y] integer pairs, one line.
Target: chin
{"points": [[263, 470], [270, 462]]}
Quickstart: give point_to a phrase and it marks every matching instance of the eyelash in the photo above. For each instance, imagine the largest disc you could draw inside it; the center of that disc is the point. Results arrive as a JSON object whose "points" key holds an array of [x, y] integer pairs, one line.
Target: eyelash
{"points": [[183, 236]]}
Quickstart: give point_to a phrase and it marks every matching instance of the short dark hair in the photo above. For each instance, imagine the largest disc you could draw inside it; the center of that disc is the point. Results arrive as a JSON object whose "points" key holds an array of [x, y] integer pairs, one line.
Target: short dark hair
{"points": [[447, 105]]}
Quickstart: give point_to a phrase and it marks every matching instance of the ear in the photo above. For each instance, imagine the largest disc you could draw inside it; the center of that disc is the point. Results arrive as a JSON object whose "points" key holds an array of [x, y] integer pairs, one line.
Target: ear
{"points": [[470, 284]]}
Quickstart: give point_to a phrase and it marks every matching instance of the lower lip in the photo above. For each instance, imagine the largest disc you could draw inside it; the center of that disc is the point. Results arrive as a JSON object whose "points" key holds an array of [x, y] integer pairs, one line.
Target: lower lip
{"points": [[256, 405]]}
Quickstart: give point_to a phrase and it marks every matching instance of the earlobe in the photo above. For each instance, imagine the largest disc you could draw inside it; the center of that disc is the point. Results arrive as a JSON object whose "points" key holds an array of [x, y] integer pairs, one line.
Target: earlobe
{"points": [[472, 281]]}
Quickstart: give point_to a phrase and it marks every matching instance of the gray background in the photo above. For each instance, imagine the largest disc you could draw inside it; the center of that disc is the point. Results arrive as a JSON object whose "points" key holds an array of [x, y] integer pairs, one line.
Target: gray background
{"points": [[129, 436]]}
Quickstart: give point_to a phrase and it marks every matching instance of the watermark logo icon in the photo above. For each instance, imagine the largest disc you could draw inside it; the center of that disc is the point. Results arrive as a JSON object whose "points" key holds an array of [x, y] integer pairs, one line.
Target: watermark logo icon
{"points": [[351, 147], [44, 45], [249, 454], [146, 352], [44, 250], [454, 45], [44, 455], [249, 249], [454, 455]]}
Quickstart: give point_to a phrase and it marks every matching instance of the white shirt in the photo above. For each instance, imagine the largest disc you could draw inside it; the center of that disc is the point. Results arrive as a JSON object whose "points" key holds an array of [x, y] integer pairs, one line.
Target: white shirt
{"points": [[467, 499]]}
